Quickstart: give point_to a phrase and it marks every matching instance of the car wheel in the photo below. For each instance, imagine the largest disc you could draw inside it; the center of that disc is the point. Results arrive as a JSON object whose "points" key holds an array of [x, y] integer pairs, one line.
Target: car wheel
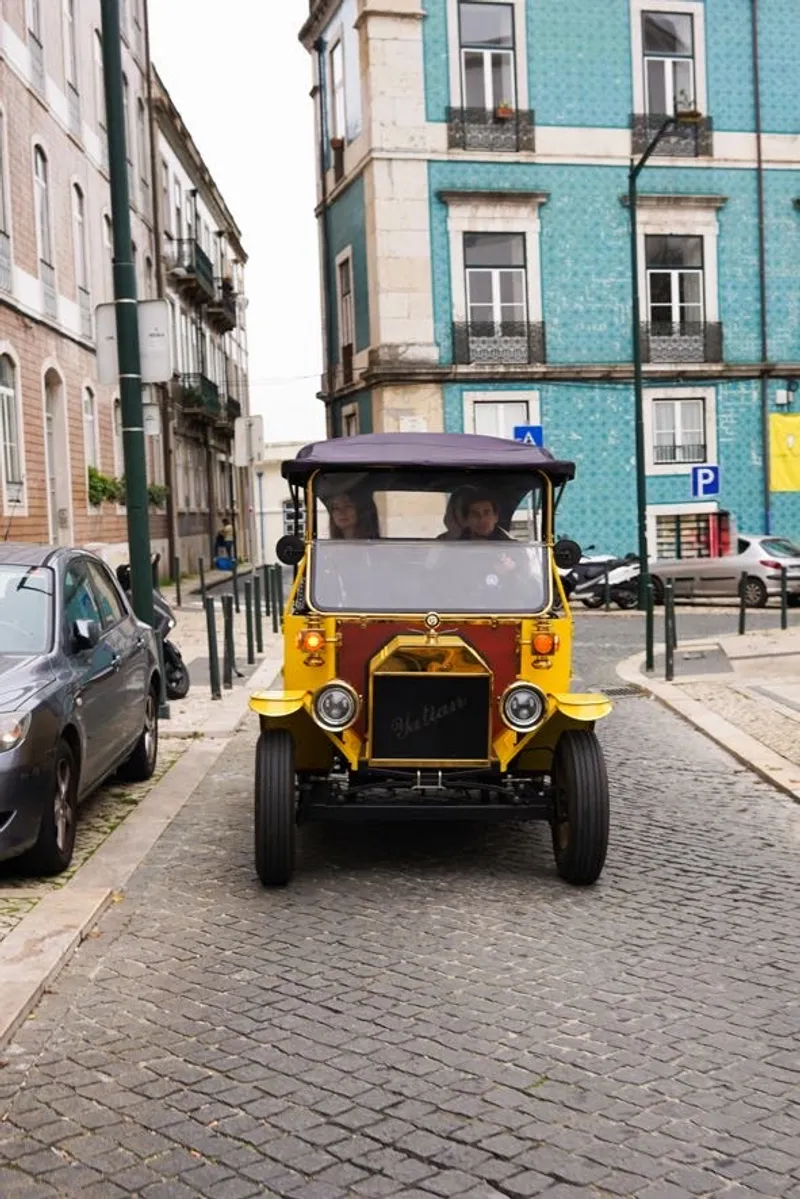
{"points": [[626, 598], [793, 601], [581, 813], [658, 589], [178, 683], [755, 593], [275, 808], [141, 765], [52, 852]]}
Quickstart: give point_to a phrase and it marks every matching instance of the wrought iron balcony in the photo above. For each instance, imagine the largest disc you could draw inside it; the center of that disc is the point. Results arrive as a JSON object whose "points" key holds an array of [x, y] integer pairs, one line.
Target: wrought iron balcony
{"points": [[677, 454], [5, 261], [199, 396], [505, 344], [229, 412], [221, 310], [504, 130], [690, 342], [191, 268], [85, 307], [683, 141]]}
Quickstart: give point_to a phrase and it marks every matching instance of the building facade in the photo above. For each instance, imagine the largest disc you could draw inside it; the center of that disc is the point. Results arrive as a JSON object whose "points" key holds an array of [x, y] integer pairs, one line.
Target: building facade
{"points": [[274, 509], [62, 455], [475, 243]]}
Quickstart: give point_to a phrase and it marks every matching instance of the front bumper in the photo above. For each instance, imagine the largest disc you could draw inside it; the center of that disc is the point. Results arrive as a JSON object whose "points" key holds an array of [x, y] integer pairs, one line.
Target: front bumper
{"points": [[24, 791]]}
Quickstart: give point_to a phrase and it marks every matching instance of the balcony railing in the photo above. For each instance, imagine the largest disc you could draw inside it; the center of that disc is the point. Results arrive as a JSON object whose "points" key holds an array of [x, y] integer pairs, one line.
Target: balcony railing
{"points": [[199, 396], [683, 141], [679, 454], [503, 344], [191, 267], [5, 261], [74, 104], [508, 131], [229, 411], [47, 275], [37, 61], [84, 305], [221, 310], [690, 342]]}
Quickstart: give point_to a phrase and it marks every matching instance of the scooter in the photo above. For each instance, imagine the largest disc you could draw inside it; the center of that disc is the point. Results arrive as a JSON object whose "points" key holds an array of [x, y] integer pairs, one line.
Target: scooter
{"points": [[177, 675], [623, 575]]}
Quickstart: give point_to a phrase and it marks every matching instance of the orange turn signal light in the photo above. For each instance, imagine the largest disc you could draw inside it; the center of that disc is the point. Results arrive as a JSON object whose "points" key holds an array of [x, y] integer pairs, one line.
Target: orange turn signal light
{"points": [[544, 644], [311, 641]]}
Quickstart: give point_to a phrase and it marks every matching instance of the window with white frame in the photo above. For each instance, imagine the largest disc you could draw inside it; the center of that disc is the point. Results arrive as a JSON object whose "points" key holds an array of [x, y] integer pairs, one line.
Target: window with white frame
{"points": [[42, 181], [346, 331], [486, 36], [178, 201], [108, 257], [99, 83], [338, 102], [141, 145], [70, 45], [9, 416], [90, 432], [496, 283], [668, 43], [496, 414], [679, 431], [166, 213], [3, 212], [674, 283], [79, 234], [126, 116]]}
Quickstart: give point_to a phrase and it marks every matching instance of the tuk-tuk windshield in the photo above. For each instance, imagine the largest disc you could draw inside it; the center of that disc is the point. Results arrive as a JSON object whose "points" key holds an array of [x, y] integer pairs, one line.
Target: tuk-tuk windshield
{"points": [[396, 541]]}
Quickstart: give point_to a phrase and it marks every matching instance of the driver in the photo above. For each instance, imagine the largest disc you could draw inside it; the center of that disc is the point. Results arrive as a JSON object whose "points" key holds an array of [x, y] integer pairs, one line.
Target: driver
{"points": [[481, 514]]}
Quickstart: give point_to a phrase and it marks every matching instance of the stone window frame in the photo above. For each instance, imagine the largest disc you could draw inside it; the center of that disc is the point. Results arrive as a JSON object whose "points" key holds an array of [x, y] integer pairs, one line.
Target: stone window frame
{"points": [[520, 53], [20, 509], [676, 215], [470, 400], [692, 8], [709, 397]]}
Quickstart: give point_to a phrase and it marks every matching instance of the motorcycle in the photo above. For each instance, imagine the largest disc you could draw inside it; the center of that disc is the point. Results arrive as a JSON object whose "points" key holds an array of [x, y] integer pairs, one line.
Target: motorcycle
{"points": [[623, 576], [177, 681]]}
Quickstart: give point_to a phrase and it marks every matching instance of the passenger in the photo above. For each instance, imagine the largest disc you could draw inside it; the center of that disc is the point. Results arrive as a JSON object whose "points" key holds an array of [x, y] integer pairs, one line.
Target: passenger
{"points": [[480, 514], [351, 522], [454, 513]]}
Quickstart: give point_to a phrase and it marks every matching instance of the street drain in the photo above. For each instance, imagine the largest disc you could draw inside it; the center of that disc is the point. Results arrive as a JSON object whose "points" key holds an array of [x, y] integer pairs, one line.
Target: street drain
{"points": [[627, 690]]}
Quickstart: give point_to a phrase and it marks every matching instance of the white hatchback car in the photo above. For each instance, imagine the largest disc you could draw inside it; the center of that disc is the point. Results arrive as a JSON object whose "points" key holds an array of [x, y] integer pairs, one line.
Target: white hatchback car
{"points": [[758, 556]]}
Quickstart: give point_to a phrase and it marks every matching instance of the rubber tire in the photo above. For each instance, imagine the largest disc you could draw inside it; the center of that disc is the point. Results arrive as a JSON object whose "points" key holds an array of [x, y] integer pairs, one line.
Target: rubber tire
{"points": [[141, 765], [581, 782], [179, 684], [275, 808], [591, 601], [629, 601], [45, 858], [658, 590], [793, 601], [758, 589]]}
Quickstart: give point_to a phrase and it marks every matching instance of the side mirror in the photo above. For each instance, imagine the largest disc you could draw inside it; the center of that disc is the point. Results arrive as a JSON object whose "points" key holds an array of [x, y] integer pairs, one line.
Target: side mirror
{"points": [[290, 550], [85, 634], [567, 554]]}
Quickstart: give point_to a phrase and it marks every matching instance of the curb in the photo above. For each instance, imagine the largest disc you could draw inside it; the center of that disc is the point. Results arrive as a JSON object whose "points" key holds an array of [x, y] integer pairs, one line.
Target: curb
{"points": [[764, 762], [41, 944]]}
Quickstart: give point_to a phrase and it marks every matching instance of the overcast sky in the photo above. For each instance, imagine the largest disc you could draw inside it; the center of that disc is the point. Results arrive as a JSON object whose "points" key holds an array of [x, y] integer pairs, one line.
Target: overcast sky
{"points": [[241, 81]]}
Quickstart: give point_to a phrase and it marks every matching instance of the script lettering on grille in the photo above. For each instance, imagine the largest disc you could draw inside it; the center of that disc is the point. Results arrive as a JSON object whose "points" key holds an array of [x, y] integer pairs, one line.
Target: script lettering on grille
{"points": [[413, 722]]}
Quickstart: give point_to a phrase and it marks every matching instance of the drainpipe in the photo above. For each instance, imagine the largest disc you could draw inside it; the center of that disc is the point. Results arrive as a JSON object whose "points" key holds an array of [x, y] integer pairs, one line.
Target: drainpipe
{"points": [[163, 390], [762, 272], [327, 284]]}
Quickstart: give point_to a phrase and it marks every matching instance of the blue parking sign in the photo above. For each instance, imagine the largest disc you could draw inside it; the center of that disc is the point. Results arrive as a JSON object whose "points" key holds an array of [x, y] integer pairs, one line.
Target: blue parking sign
{"points": [[529, 434], [705, 481]]}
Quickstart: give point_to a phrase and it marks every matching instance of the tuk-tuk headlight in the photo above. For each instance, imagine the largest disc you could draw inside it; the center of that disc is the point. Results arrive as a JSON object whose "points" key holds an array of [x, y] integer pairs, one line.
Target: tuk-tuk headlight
{"points": [[522, 707], [335, 706]]}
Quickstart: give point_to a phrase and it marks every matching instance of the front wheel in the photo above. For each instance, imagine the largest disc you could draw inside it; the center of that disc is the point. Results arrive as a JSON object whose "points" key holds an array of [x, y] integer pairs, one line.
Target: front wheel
{"points": [[581, 816], [275, 808], [141, 765], [52, 852], [755, 593]]}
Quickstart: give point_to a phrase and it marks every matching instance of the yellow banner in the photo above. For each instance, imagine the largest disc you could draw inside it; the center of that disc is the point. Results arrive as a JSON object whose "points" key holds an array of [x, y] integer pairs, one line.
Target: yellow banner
{"points": [[784, 450]]}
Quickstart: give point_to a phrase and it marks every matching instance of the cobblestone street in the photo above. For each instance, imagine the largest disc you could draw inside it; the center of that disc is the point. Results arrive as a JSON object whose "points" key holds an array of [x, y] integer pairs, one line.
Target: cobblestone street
{"points": [[428, 1010]]}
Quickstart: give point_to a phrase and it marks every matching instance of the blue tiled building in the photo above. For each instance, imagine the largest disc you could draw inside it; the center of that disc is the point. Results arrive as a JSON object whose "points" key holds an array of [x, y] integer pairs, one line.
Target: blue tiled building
{"points": [[475, 240]]}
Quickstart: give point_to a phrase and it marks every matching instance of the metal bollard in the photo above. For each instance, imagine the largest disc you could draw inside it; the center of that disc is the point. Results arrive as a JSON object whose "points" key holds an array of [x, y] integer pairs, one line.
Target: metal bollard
{"points": [[274, 604], [257, 611], [649, 620], [227, 642], [236, 586], [213, 653], [248, 616], [279, 578], [784, 599], [176, 574], [201, 570], [669, 616], [742, 603], [267, 593], [606, 590]]}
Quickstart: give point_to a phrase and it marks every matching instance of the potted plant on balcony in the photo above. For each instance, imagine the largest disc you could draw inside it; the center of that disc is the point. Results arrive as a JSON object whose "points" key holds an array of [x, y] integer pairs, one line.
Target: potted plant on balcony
{"points": [[504, 110]]}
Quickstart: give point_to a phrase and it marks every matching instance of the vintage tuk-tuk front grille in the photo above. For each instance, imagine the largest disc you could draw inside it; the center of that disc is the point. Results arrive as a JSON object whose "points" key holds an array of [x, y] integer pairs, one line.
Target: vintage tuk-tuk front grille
{"points": [[430, 718]]}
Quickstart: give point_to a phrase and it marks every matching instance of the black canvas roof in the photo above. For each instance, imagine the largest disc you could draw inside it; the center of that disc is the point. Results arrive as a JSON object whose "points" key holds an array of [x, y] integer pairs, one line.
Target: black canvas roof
{"points": [[449, 451]]}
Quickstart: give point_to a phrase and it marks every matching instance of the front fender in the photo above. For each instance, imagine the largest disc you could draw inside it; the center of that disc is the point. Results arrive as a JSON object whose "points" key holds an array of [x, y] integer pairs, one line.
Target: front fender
{"points": [[276, 705], [584, 709]]}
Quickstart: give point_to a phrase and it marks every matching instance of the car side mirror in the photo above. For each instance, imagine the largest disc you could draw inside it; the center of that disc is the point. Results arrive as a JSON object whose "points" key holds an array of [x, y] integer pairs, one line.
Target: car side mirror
{"points": [[290, 550], [567, 554], [85, 634]]}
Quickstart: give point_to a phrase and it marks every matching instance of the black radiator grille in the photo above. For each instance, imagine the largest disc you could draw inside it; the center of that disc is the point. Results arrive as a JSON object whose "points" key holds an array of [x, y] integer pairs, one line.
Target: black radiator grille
{"points": [[430, 718]]}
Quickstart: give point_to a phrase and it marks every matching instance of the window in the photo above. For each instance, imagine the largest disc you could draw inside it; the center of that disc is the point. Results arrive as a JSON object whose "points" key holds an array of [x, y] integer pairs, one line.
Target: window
{"points": [[679, 431], [112, 609], [99, 84], [90, 428], [108, 245], [165, 209], [499, 418], [141, 145], [487, 55], [338, 100], [79, 233], [3, 214], [674, 284], [138, 33], [346, 331], [9, 416], [148, 277], [350, 421], [668, 43], [178, 229], [70, 47], [496, 283], [35, 44], [79, 598], [35, 18], [42, 205], [126, 117]]}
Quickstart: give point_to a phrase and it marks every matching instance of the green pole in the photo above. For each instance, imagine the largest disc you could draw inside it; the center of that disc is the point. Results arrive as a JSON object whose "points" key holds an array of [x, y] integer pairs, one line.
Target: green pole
{"points": [[130, 377], [641, 478]]}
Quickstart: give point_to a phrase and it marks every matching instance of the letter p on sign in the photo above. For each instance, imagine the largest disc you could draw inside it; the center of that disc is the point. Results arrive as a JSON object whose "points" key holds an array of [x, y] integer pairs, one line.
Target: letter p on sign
{"points": [[705, 481]]}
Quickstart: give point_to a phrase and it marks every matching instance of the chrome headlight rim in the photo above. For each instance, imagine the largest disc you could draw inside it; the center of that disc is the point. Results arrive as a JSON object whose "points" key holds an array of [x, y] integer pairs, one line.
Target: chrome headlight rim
{"points": [[14, 728], [326, 724], [521, 686]]}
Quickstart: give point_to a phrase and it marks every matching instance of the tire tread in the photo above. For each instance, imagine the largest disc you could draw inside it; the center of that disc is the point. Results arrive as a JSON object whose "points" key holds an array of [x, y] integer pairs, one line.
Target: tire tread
{"points": [[579, 758]]}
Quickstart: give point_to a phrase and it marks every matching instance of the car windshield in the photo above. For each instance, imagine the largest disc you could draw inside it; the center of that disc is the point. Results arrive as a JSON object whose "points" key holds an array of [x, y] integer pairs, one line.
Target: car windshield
{"points": [[26, 609], [399, 541], [781, 547]]}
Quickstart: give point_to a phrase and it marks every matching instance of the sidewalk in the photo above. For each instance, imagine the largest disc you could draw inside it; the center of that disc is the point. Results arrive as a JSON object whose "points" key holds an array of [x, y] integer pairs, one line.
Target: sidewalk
{"points": [[743, 692]]}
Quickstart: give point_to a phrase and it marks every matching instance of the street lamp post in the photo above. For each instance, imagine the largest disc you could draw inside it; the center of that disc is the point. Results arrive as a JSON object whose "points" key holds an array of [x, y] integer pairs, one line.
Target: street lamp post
{"points": [[636, 168]]}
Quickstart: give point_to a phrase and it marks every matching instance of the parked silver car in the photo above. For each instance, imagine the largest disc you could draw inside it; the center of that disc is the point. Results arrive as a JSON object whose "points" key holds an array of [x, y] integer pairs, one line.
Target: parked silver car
{"points": [[761, 558], [79, 691]]}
